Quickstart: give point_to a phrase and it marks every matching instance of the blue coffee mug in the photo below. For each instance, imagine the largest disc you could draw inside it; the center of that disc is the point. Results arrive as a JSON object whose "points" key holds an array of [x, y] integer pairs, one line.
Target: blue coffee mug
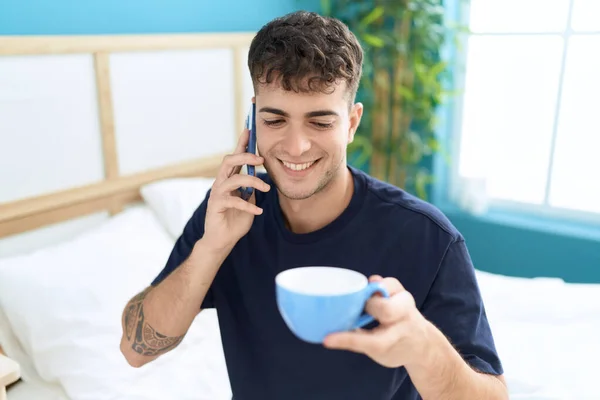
{"points": [[317, 301]]}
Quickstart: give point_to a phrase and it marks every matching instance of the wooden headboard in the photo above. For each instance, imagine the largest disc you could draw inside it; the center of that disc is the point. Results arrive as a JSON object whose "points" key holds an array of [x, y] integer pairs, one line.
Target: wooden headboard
{"points": [[32, 208]]}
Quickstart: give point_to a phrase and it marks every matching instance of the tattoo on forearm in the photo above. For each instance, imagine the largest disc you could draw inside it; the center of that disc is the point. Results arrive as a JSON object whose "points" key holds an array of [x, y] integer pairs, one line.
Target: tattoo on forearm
{"points": [[133, 309], [146, 340]]}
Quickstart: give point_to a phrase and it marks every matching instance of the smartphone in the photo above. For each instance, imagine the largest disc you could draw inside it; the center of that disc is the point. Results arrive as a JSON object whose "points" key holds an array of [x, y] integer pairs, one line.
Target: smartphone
{"points": [[251, 148]]}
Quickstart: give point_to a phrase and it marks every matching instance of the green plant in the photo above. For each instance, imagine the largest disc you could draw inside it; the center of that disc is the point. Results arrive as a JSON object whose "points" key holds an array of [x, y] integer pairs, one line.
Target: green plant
{"points": [[401, 88]]}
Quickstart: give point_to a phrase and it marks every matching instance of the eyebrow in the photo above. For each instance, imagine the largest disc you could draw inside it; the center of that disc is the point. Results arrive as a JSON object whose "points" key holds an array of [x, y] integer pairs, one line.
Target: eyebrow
{"points": [[312, 114]]}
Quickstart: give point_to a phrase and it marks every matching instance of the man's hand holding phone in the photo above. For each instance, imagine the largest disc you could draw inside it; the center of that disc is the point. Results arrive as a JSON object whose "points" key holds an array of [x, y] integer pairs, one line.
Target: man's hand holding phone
{"points": [[228, 216]]}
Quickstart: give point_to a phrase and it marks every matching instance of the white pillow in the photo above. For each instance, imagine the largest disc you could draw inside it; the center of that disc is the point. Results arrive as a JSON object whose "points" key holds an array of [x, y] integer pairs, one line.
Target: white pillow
{"points": [[64, 304], [175, 200]]}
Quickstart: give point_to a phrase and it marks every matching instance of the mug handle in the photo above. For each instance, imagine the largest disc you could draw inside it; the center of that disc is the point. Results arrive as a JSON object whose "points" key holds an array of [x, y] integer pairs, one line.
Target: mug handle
{"points": [[370, 290]]}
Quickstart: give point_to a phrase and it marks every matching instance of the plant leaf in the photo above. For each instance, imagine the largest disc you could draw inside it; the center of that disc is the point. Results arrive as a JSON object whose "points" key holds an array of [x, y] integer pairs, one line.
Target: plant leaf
{"points": [[373, 16], [362, 145], [422, 180], [373, 40], [326, 7], [405, 92]]}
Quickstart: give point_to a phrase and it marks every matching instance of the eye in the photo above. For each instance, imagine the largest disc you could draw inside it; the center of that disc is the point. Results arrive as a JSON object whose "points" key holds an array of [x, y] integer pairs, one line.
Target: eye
{"points": [[273, 123], [323, 125]]}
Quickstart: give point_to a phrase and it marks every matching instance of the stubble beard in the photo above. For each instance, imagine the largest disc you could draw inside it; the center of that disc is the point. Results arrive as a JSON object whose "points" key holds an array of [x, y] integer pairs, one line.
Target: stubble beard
{"points": [[324, 181]]}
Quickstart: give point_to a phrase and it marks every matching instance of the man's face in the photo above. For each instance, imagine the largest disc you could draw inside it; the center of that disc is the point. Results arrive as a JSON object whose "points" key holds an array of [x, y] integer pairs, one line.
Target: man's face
{"points": [[303, 137]]}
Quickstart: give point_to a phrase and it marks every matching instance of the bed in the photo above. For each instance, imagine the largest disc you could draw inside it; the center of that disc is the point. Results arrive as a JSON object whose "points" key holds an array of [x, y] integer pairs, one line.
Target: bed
{"points": [[124, 135], [97, 133]]}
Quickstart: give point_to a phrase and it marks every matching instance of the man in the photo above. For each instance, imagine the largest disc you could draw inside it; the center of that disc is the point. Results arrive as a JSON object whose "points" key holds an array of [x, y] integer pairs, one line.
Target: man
{"points": [[431, 337]]}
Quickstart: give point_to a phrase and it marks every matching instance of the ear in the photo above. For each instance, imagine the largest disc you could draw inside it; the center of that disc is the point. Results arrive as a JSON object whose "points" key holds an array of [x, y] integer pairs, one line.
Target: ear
{"points": [[254, 99], [355, 116]]}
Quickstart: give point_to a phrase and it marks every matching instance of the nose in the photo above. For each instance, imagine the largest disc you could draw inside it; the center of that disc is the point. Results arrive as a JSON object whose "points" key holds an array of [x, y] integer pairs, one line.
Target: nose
{"points": [[296, 143]]}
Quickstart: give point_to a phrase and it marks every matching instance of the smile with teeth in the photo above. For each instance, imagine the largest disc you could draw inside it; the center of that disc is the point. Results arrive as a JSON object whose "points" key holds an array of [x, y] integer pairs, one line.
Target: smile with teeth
{"points": [[298, 167]]}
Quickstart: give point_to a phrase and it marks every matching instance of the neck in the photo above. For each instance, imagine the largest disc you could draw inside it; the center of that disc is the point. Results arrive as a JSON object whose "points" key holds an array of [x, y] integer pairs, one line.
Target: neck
{"points": [[320, 209]]}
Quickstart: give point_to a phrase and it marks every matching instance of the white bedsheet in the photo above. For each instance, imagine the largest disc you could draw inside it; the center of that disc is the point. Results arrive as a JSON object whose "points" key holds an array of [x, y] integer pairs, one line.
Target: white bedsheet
{"points": [[545, 357], [547, 332], [64, 305]]}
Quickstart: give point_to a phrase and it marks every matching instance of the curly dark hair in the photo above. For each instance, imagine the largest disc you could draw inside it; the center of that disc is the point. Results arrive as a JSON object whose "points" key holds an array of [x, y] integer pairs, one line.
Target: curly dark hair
{"points": [[306, 52]]}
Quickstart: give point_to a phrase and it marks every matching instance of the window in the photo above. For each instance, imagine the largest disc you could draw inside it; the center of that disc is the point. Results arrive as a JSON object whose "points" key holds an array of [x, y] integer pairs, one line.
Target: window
{"points": [[530, 117]]}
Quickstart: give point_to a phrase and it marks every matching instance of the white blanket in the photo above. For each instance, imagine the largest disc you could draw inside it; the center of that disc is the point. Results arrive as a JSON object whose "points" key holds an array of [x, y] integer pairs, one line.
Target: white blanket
{"points": [[64, 304]]}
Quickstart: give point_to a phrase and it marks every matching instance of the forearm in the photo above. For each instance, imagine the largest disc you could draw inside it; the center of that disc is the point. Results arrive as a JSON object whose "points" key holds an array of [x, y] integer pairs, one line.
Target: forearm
{"points": [[156, 320], [442, 374]]}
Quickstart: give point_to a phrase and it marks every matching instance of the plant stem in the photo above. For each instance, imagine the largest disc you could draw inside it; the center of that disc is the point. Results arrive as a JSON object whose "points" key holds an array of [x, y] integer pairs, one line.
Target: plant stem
{"points": [[400, 112]]}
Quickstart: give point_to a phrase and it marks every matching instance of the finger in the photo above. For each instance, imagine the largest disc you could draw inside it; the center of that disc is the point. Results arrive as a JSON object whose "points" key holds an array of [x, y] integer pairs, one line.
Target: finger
{"points": [[391, 285], [228, 170], [391, 310], [232, 164], [375, 278], [237, 181], [237, 203], [370, 342], [242, 142], [240, 148], [239, 159]]}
